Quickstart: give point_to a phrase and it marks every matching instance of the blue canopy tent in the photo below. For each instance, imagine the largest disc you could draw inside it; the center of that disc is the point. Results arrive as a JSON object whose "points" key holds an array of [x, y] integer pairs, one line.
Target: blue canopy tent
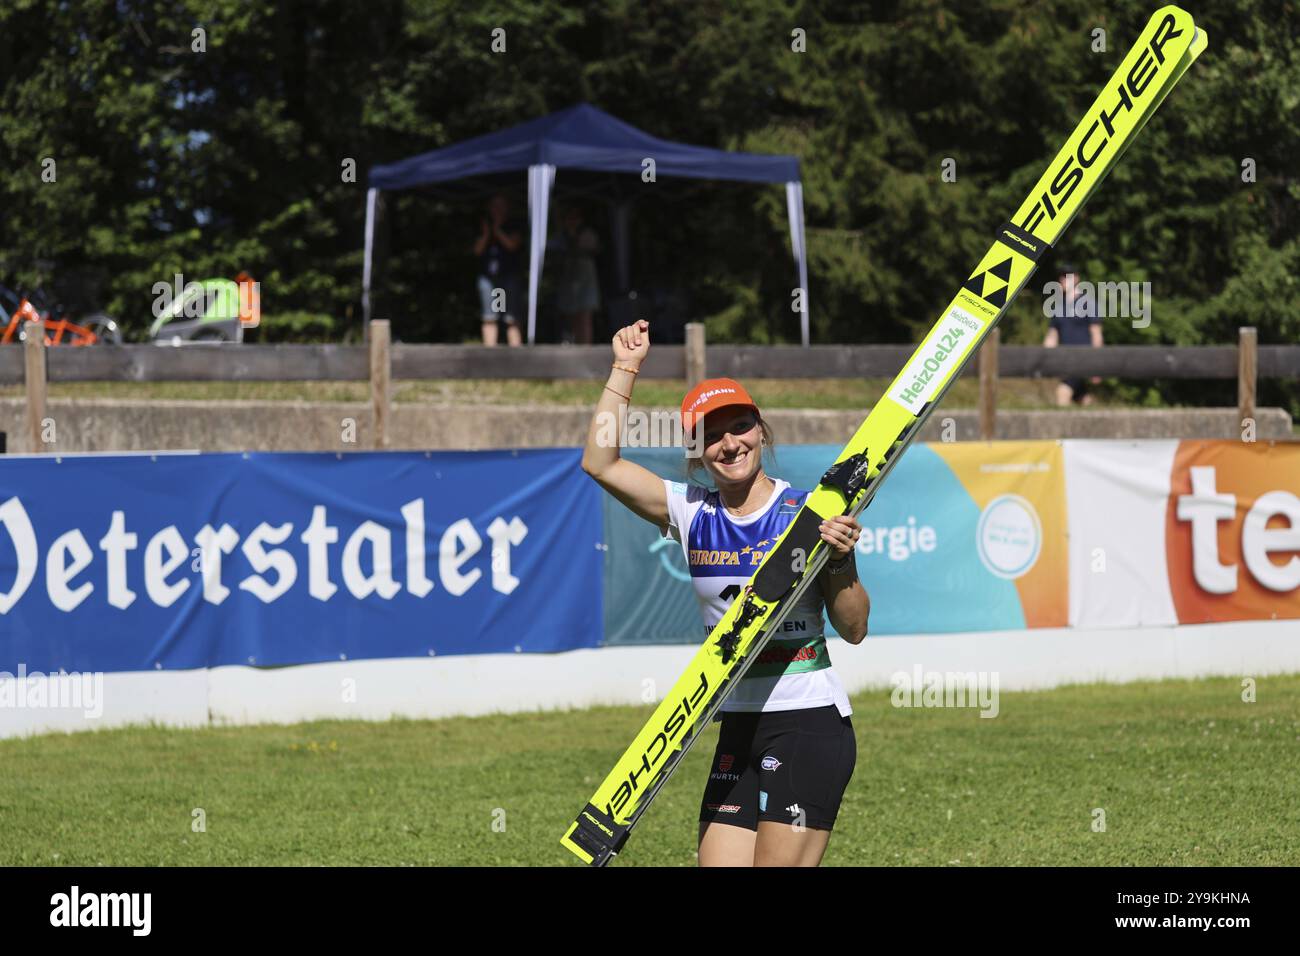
{"points": [[582, 138]]}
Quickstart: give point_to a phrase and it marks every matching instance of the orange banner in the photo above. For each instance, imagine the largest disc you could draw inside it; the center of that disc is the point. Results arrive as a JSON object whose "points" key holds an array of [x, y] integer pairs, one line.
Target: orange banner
{"points": [[1232, 531]]}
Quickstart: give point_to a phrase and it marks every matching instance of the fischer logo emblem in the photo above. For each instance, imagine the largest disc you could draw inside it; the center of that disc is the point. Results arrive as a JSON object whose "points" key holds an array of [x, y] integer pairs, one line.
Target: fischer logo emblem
{"points": [[597, 823], [1069, 174], [662, 744], [770, 763], [1027, 246], [991, 285]]}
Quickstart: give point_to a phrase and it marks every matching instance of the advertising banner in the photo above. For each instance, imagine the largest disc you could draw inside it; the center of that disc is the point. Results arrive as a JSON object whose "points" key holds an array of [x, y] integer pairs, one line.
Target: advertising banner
{"points": [[155, 562], [152, 562], [1183, 532], [963, 537]]}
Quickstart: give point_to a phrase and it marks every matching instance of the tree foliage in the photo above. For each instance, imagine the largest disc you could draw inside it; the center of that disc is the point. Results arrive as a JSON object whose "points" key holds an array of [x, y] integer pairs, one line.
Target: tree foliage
{"points": [[170, 160]]}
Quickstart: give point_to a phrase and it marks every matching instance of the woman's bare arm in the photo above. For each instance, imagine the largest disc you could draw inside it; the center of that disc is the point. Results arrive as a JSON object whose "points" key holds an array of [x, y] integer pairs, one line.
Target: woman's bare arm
{"points": [[847, 603], [637, 487]]}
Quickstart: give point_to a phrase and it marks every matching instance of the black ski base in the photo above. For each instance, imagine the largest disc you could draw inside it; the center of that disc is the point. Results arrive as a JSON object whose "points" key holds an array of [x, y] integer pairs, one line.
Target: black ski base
{"points": [[783, 568]]}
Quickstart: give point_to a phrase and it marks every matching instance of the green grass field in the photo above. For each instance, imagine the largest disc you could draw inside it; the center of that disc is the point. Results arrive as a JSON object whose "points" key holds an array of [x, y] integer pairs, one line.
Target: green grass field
{"points": [[1186, 772]]}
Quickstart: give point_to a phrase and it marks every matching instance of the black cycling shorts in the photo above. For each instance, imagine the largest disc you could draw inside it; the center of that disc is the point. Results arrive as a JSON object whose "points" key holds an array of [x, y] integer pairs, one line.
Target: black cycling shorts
{"points": [[1078, 388], [791, 766]]}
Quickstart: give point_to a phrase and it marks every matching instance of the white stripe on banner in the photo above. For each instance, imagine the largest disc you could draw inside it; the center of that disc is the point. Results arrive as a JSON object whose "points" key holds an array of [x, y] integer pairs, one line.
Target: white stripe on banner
{"points": [[1117, 493]]}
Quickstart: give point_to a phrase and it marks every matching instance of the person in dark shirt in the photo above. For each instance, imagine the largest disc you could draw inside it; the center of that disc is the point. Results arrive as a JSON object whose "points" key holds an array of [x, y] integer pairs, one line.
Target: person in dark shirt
{"points": [[576, 248], [498, 247], [1074, 322]]}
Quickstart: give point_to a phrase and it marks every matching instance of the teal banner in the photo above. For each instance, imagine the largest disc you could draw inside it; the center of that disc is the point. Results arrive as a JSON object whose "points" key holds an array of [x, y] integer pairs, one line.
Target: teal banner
{"points": [[920, 556]]}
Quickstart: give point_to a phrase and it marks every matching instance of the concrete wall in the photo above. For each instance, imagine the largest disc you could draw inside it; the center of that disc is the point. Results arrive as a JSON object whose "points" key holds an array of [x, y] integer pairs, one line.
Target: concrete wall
{"points": [[90, 425], [514, 683]]}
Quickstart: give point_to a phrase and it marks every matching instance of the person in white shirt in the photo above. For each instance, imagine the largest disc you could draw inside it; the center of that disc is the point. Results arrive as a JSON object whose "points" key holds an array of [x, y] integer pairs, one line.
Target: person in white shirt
{"points": [[786, 749]]}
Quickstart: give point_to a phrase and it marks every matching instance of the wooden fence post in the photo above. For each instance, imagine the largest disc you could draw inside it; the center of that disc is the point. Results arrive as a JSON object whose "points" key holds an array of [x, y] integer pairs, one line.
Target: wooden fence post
{"points": [[989, 386], [34, 373], [695, 364], [380, 367], [1247, 364]]}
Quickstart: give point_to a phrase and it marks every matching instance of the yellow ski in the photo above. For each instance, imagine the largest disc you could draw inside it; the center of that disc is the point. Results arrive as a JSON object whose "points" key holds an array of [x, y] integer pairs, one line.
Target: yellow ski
{"points": [[1167, 47]]}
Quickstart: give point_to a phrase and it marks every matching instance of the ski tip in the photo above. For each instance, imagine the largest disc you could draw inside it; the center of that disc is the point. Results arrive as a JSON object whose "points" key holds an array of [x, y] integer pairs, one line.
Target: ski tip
{"points": [[1169, 22], [1177, 11]]}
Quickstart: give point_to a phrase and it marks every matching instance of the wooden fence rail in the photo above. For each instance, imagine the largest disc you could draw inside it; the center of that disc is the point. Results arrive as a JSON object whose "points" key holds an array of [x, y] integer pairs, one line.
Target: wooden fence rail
{"points": [[379, 361], [287, 363]]}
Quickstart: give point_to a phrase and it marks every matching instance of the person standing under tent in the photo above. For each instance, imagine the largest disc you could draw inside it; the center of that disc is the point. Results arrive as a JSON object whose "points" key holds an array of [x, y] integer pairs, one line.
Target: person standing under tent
{"points": [[786, 749], [500, 290], [579, 286]]}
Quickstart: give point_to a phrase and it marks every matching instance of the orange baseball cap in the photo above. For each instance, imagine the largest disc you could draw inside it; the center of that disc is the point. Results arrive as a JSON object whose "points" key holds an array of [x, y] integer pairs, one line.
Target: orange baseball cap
{"points": [[710, 395]]}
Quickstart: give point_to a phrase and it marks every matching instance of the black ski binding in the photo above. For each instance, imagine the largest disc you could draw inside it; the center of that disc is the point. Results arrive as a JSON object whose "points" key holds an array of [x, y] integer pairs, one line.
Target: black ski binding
{"points": [[849, 475], [727, 642]]}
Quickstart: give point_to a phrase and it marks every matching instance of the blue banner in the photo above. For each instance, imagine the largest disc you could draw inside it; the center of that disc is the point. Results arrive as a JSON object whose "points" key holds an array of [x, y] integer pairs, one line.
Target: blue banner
{"points": [[144, 562]]}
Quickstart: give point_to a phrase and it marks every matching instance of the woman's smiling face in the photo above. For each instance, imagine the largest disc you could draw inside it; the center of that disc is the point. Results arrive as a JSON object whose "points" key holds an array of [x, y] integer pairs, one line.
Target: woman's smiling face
{"points": [[733, 444]]}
